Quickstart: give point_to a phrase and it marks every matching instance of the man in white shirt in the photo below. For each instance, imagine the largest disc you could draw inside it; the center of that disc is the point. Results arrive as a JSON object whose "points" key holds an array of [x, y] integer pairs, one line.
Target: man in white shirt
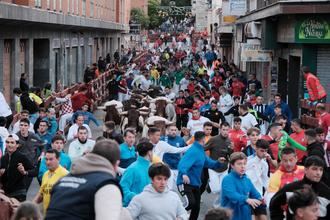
{"points": [[145, 82], [225, 103], [184, 82], [5, 110], [257, 171], [73, 131], [196, 123], [169, 94], [248, 120], [81, 145], [24, 114], [161, 147]]}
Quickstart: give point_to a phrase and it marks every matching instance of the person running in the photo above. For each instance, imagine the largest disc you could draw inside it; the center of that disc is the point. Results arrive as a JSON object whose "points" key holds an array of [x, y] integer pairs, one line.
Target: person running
{"points": [[238, 192], [145, 206], [82, 145], [65, 161], [135, 177], [196, 122], [128, 154], [288, 172], [257, 170], [54, 173], [14, 169], [190, 169], [73, 131], [173, 159], [304, 204], [91, 190], [314, 168]]}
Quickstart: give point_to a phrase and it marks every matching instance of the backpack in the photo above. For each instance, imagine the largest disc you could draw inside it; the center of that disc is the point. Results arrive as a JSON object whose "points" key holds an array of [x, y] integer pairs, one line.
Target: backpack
{"points": [[8, 206]]}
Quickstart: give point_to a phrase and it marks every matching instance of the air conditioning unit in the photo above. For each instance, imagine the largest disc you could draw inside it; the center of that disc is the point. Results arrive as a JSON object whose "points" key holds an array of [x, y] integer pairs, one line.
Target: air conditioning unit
{"points": [[252, 30]]}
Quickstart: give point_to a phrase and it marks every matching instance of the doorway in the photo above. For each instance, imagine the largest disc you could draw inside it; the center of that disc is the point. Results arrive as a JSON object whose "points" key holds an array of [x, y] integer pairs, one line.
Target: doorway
{"points": [[294, 87], [283, 78], [41, 62]]}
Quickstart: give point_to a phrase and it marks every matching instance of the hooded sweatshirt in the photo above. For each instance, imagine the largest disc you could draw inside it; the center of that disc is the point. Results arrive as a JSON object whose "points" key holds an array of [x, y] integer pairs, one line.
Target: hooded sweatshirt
{"points": [[107, 199], [146, 206]]}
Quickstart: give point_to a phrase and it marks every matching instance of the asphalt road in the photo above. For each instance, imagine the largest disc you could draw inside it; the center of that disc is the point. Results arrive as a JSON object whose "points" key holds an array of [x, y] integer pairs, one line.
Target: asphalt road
{"points": [[207, 199]]}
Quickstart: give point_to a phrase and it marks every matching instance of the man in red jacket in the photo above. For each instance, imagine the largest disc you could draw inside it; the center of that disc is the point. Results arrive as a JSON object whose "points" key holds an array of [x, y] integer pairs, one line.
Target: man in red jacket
{"points": [[237, 87], [315, 89], [80, 98]]}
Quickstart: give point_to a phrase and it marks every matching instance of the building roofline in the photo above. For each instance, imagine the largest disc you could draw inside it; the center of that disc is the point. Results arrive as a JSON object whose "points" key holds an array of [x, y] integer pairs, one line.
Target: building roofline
{"points": [[285, 8]]}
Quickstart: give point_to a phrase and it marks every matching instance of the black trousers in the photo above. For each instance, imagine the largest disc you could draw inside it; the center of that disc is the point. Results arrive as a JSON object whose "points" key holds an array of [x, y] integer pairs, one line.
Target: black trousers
{"points": [[192, 196], [181, 121], [9, 120], [205, 180]]}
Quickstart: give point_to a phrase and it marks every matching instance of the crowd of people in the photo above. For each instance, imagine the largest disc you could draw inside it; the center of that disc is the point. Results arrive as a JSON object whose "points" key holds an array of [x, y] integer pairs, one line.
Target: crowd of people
{"points": [[225, 139]]}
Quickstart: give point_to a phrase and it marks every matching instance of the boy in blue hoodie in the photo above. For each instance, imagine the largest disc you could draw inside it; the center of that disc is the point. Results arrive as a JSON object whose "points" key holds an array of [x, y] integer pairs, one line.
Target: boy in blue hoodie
{"points": [[238, 192], [190, 170]]}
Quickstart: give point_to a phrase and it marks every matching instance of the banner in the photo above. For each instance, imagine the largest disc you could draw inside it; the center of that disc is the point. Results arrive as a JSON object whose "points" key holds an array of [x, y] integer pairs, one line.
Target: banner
{"points": [[237, 7]]}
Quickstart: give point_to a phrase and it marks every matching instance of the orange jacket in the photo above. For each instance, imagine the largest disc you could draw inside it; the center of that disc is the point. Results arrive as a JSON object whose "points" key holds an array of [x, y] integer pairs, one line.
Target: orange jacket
{"points": [[314, 87]]}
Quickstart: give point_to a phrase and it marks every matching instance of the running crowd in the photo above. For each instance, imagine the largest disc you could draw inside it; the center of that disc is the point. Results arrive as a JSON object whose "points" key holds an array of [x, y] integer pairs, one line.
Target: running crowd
{"points": [[225, 139]]}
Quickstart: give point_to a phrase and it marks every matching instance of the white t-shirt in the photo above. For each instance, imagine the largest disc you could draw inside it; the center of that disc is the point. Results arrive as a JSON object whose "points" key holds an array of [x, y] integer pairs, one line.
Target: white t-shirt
{"points": [[170, 96], [184, 84], [4, 107], [225, 103], [162, 147], [77, 149], [73, 131], [257, 171], [248, 121], [196, 125]]}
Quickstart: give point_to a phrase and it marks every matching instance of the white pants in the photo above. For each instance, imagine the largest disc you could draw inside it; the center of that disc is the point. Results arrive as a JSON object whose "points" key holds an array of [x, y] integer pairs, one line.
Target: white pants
{"points": [[64, 118], [215, 184], [172, 180], [122, 96]]}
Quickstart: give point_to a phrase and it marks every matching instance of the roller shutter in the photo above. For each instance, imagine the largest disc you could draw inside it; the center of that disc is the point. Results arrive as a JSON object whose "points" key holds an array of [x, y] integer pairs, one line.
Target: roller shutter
{"points": [[323, 68]]}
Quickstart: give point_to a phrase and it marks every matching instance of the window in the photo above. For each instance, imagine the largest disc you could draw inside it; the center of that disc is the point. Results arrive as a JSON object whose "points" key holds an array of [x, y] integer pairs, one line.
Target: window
{"points": [[48, 4], [83, 8], [54, 5], [72, 6], [60, 5], [37, 3], [92, 8], [77, 7]]}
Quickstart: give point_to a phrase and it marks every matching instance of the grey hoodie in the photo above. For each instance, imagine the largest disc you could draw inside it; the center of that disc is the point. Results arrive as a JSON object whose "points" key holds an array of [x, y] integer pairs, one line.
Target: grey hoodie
{"points": [[152, 205]]}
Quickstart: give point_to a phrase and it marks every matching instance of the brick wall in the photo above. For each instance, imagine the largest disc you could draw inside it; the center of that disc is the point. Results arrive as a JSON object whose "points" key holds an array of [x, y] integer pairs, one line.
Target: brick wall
{"points": [[7, 51], [143, 4], [108, 10]]}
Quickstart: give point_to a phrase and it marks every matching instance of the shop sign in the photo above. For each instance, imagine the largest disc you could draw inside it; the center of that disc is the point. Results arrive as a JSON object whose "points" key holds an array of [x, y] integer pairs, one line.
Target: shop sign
{"points": [[237, 7], [253, 53], [313, 30]]}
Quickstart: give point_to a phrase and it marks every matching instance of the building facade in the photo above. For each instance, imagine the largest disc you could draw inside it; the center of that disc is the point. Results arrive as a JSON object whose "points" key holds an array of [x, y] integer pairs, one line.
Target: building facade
{"points": [[55, 40], [275, 38], [142, 4]]}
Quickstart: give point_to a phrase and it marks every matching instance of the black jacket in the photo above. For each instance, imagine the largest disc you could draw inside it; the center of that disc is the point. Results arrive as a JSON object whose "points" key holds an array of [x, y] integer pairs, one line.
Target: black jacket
{"points": [[315, 149], [279, 200], [12, 179]]}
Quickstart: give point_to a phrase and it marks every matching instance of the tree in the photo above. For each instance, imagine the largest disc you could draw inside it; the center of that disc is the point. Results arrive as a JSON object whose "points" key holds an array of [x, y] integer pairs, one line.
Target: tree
{"points": [[138, 16], [154, 18]]}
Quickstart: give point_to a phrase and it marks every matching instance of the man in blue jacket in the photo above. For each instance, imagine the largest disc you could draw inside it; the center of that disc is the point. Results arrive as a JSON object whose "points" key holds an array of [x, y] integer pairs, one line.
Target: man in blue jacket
{"points": [[190, 170], [128, 154], [173, 159], [136, 177], [238, 192], [285, 108]]}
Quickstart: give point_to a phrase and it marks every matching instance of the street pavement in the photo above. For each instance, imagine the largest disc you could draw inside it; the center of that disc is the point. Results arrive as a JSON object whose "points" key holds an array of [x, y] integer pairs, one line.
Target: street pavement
{"points": [[207, 199]]}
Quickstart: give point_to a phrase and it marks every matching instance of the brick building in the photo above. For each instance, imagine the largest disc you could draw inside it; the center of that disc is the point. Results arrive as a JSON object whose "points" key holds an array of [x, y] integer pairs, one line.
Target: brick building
{"points": [[143, 4], [56, 39]]}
